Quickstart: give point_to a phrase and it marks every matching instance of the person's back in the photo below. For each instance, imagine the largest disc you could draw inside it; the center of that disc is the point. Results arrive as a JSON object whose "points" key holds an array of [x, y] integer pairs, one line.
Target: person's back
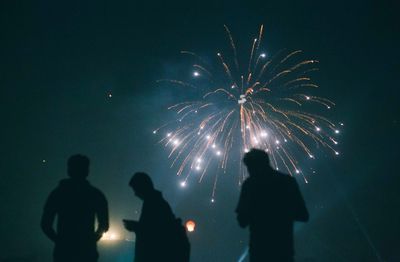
{"points": [[269, 204], [76, 204]]}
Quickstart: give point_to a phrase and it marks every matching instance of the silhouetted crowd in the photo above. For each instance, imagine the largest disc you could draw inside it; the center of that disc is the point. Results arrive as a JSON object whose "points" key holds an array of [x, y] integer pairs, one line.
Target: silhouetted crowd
{"points": [[270, 202]]}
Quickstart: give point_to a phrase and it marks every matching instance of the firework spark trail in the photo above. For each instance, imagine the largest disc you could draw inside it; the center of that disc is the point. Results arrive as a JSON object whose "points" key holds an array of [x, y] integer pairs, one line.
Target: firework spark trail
{"points": [[264, 105]]}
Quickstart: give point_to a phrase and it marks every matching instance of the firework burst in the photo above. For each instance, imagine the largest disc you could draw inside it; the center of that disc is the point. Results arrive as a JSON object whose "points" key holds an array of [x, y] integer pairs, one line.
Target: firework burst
{"points": [[266, 102]]}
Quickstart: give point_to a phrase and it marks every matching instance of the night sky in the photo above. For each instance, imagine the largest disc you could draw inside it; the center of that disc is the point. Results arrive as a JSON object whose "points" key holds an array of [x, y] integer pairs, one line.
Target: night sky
{"points": [[61, 60]]}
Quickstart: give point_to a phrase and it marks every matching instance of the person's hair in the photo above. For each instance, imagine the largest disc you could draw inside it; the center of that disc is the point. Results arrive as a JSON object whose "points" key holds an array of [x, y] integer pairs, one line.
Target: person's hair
{"points": [[256, 158], [78, 166], [141, 180]]}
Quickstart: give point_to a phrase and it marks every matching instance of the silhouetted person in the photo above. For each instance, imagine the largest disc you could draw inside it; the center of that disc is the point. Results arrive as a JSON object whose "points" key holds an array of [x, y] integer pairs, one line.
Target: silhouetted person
{"points": [[76, 204], [269, 204], [159, 235]]}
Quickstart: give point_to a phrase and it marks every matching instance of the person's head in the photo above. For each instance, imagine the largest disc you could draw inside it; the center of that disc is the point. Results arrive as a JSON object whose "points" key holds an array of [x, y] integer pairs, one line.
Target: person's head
{"points": [[257, 162], [78, 166], [141, 184]]}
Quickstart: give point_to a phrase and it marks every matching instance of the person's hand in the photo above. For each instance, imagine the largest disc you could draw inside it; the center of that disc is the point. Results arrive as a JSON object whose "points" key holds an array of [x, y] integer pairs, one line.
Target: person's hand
{"points": [[98, 235], [130, 225]]}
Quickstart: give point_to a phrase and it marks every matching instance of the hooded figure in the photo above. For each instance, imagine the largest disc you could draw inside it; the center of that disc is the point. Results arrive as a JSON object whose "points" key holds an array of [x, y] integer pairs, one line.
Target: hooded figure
{"points": [[159, 235], [76, 204], [269, 204]]}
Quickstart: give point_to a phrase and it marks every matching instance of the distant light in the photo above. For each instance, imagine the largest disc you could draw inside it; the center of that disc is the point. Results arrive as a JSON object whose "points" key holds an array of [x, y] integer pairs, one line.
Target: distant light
{"points": [[155, 132], [196, 74], [208, 137], [336, 153], [337, 131], [311, 156], [176, 142], [277, 142], [246, 150], [219, 153], [198, 168], [263, 55], [183, 184], [44, 161], [110, 236], [212, 200], [168, 134], [277, 168], [190, 225], [341, 124], [307, 97], [264, 134], [247, 127], [213, 146], [195, 111], [285, 140], [218, 54], [297, 171], [109, 95], [232, 86], [199, 160], [318, 129], [328, 107]]}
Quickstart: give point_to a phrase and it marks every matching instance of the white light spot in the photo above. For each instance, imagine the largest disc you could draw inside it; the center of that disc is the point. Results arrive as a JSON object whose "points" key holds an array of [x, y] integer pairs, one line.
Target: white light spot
{"points": [[317, 128], [218, 153], [155, 132], [246, 150], [263, 55], [198, 168], [208, 137], [213, 146], [196, 74], [264, 134], [176, 142], [337, 131], [277, 142], [297, 171], [336, 153], [169, 134], [232, 86], [199, 160], [307, 97], [183, 184], [247, 127], [44, 161], [212, 200]]}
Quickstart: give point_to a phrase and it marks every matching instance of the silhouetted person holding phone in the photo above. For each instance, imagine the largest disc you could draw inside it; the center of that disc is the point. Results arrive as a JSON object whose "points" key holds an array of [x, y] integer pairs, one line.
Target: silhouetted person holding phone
{"points": [[269, 204], [76, 204], [159, 235]]}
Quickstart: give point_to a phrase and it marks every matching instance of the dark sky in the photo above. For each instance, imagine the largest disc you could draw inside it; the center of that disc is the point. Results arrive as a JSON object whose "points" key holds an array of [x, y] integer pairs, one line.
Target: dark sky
{"points": [[60, 59]]}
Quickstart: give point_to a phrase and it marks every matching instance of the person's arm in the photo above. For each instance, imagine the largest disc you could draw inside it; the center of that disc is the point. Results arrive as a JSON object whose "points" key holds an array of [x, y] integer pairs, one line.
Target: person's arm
{"points": [[48, 217], [131, 225], [102, 217], [300, 209], [243, 207]]}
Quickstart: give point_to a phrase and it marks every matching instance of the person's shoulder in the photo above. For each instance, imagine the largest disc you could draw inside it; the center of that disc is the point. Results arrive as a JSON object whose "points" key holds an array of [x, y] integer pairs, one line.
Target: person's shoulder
{"points": [[96, 192], [284, 178]]}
